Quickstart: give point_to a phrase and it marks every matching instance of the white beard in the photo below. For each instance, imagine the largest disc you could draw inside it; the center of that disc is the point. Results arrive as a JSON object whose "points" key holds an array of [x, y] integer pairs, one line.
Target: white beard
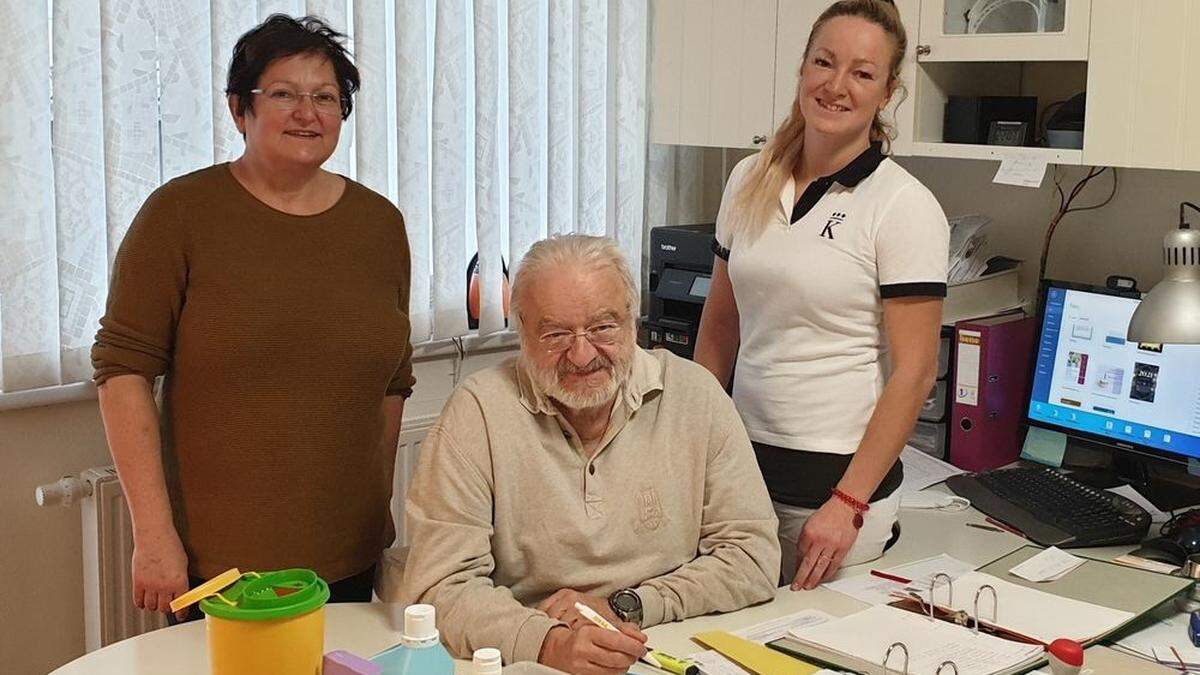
{"points": [[549, 380]]}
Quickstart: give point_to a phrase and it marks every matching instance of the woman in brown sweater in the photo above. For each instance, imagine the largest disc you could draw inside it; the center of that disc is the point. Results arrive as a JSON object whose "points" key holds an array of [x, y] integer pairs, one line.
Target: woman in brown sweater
{"points": [[273, 296]]}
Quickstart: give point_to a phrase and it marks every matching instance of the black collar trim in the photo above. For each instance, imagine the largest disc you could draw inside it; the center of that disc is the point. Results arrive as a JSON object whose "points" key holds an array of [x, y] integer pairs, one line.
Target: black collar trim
{"points": [[850, 175], [860, 167]]}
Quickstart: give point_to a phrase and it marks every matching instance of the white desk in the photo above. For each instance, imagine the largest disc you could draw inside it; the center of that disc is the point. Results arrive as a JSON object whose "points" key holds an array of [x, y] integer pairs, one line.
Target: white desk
{"points": [[364, 629]]}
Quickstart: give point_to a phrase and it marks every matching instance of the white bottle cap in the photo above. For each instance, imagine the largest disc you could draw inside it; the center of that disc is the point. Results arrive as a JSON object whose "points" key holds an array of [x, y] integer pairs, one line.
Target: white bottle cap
{"points": [[487, 661], [420, 629]]}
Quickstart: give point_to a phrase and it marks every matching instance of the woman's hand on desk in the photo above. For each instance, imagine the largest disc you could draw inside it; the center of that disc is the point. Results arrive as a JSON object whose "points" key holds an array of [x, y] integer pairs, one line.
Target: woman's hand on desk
{"points": [[826, 539], [159, 570]]}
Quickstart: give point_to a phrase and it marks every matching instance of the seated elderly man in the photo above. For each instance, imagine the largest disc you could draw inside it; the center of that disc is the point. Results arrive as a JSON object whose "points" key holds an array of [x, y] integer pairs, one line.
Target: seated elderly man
{"points": [[586, 470]]}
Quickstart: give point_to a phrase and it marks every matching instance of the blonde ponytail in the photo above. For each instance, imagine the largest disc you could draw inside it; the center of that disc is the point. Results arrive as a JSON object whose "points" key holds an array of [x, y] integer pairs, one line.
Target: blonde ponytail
{"points": [[756, 200]]}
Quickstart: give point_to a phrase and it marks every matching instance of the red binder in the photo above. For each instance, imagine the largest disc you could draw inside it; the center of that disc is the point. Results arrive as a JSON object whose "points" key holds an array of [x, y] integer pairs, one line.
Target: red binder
{"points": [[991, 382]]}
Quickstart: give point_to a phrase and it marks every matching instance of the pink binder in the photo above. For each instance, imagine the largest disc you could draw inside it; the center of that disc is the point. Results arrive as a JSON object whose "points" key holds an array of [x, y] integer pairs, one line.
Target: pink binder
{"points": [[991, 383]]}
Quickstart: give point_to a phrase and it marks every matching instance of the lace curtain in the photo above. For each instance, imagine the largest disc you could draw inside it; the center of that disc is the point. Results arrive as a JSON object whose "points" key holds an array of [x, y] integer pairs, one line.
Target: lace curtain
{"points": [[490, 123]]}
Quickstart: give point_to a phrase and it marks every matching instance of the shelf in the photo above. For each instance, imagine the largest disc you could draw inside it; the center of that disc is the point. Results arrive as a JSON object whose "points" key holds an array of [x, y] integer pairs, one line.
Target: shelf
{"points": [[996, 152]]}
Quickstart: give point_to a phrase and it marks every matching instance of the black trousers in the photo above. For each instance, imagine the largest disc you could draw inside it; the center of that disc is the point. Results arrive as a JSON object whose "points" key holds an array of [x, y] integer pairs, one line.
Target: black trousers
{"points": [[357, 588]]}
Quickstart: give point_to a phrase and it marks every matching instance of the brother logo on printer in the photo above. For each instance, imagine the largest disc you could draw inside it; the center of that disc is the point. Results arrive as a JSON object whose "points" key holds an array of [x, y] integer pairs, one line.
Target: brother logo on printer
{"points": [[668, 247]]}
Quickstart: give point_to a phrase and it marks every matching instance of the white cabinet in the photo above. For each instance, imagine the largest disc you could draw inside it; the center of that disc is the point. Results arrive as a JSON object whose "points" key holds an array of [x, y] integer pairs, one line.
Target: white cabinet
{"points": [[724, 73], [1143, 107], [1005, 30], [712, 72]]}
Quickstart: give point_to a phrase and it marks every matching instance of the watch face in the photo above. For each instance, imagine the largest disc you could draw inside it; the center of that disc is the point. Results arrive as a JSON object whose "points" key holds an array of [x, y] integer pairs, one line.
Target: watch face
{"points": [[626, 601]]}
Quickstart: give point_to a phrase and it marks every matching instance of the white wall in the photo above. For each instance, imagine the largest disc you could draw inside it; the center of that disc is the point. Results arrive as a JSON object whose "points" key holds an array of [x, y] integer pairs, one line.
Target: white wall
{"points": [[41, 569], [1124, 237]]}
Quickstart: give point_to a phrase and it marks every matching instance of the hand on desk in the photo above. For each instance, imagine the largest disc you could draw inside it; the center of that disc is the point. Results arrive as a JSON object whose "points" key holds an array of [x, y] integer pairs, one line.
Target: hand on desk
{"points": [[159, 570], [592, 650], [824, 542]]}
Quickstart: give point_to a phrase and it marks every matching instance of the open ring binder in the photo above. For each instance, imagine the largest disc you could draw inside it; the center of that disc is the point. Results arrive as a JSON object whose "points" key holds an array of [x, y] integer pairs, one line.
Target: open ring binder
{"points": [[953, 667]]}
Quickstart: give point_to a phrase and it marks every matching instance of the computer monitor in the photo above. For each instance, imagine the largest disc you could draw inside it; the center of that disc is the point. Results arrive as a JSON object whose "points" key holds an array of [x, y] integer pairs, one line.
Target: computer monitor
{"points": [[1138, 401]]}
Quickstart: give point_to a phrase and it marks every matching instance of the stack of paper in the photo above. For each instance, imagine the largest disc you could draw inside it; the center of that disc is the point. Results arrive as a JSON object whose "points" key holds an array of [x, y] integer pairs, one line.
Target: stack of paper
{"points": [[968, 247], [865, 637], [713, 662]]}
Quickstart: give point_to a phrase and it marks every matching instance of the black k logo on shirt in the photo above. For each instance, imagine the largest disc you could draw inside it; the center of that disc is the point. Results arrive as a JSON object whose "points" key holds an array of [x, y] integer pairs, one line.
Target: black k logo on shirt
{"points": [[835, 218]]}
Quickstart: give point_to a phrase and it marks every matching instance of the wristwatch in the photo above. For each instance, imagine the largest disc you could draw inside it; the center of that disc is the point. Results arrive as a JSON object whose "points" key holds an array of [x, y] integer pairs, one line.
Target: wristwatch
{"points": [[627, 605]]}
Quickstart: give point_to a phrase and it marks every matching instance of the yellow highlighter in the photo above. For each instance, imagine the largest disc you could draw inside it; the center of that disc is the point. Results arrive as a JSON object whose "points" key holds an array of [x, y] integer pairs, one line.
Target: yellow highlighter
{"points": [[653, 657]]}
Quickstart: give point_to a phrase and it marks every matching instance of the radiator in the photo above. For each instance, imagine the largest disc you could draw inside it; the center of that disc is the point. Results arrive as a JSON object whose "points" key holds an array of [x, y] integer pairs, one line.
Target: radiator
{"points": [[411, 438], [109, 613]]}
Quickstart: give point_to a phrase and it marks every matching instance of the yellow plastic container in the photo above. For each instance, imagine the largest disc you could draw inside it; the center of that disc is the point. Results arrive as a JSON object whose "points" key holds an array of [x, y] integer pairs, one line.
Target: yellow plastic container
{"points": [[271, 623]]}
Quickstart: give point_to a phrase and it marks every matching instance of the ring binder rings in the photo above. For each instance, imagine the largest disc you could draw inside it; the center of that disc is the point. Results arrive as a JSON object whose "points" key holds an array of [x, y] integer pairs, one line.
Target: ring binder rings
{"points": [[887, 656], [995, 604], [933, 587], [953, 667]]}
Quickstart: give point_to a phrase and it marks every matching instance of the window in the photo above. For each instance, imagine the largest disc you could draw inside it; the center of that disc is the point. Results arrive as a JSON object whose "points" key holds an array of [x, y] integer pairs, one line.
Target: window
{"points": [[490, 123]]}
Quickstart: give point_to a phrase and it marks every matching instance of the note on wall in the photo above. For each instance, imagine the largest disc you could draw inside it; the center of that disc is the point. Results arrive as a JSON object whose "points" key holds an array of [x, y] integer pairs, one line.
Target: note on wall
{"points": [[1021, 170]]}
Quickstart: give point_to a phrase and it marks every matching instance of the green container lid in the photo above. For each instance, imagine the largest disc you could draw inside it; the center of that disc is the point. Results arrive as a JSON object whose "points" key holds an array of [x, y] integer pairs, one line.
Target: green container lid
{"points": [[269, 595]]}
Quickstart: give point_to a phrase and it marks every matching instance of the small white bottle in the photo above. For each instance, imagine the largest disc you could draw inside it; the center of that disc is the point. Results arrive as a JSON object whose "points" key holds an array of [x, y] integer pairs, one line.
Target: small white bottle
{"points": [[486, 661]]}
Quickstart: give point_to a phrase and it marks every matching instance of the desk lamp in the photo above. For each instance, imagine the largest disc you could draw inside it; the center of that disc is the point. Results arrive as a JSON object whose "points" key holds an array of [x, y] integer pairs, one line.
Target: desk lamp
{"points": [[1170, 312]]}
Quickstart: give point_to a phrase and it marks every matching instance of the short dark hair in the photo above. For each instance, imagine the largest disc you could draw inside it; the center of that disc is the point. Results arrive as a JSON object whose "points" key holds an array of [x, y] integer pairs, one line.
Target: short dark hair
{"points": [[281, 36]]}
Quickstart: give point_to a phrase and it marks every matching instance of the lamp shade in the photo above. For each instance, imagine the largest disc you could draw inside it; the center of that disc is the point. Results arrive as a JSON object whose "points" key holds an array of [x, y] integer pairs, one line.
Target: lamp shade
{"points": [[1170, 312]]}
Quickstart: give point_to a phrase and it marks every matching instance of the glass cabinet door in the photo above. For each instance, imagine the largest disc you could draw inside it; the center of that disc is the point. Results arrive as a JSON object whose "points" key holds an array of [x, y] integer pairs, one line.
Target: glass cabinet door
{"points": [[984, 17], [1003, 30]]}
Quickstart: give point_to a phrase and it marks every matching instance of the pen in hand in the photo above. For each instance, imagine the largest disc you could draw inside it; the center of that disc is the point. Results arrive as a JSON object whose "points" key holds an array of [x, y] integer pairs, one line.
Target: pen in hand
{"points": [[653, 657]]}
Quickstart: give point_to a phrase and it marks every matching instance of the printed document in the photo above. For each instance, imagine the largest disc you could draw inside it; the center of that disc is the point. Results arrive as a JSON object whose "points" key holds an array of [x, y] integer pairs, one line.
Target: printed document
{"points": [[1053, 563], [922, 470], [776, 628], [875, 590]]}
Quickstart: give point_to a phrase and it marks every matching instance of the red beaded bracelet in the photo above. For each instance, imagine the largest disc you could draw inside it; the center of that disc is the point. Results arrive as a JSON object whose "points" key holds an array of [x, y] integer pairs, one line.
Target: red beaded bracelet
{"points": [[859, 507]]}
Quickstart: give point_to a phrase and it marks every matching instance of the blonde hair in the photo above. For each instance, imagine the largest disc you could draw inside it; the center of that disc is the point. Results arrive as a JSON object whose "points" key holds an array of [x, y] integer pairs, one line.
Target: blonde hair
{"points": [[758, 195], [573, 250]]}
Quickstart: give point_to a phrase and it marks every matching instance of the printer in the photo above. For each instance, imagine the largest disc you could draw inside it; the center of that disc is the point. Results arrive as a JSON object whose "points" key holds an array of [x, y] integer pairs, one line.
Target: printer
{"points": [[680, 274]]}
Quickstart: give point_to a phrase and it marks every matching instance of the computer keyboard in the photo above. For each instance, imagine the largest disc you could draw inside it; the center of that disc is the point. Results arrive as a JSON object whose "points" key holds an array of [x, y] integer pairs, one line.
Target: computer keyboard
{"points": [[1052, 509]]}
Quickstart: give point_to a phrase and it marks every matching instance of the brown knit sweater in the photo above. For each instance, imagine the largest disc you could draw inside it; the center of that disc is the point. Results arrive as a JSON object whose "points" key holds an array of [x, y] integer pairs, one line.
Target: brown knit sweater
{"points": [[279, 336]]}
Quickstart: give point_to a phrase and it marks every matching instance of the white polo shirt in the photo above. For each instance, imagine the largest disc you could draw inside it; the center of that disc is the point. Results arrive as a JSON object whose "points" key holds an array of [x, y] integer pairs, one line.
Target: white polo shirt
{"points": [[813, 355]]}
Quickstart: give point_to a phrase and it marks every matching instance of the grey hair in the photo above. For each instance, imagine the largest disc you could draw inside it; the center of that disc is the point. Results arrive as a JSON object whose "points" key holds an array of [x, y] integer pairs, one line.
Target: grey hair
{"points": [[574, 250]]}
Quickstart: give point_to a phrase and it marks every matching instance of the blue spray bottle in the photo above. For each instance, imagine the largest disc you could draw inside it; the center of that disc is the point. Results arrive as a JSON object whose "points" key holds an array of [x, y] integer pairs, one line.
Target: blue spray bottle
{"points": [[420, 651]]}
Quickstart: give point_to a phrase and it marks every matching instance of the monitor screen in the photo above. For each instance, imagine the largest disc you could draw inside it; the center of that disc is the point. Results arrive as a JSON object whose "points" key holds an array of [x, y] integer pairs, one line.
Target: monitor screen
{"points": [[1089, 379]]}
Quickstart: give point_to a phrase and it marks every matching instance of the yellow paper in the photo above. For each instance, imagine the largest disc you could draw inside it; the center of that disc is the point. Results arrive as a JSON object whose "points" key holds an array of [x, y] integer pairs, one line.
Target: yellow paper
{"points": [[752, 656]]}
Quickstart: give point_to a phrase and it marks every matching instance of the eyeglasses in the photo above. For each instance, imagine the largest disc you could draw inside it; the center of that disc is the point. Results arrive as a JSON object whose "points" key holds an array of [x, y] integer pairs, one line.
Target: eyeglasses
{"points": [[600, 335], [282, 98]]}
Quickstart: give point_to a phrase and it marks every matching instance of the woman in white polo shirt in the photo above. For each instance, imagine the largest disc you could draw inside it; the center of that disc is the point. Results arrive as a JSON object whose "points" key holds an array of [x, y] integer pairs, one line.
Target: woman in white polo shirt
{"points": [[827, 292]]}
